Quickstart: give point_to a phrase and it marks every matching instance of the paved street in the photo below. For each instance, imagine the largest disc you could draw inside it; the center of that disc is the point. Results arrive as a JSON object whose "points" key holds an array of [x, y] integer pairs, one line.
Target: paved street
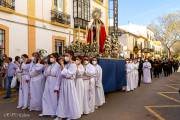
{"points": [[157, 101]]}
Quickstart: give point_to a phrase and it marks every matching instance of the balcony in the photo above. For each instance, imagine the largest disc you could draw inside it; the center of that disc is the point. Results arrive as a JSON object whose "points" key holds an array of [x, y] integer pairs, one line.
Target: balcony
{"points": [[7, 5], [99, 1], [147, 50], [81, 13], [80, 23], [60, 17]]}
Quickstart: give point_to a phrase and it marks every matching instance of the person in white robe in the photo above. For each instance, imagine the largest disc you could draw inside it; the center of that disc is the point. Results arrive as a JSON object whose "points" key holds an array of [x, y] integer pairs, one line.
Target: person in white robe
{"points": [[68, 104], [99, 91], [135, 72], [147, 72], [133, 75], [79, 82], [129, 75], [18, 71], [23, 101], [52, 74], [36, 85], [89, 87]]}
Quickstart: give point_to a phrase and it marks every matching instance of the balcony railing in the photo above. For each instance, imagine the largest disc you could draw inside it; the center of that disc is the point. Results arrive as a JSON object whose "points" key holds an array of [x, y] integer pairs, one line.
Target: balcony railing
{"points": [[8, 4], [100, 0], [147, 50], [80, 23], [60, 17]]}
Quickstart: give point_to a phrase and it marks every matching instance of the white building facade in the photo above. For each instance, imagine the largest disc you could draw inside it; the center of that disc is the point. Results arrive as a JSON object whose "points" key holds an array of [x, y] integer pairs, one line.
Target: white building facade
{"points": [[138, 36], [28, 25]]}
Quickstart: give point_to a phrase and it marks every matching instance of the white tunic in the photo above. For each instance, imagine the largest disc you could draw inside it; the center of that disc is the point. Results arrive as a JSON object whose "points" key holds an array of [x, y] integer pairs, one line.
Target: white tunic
{"points": [[80, 85], [99, 91], [89, 89], [19, 78], [37, 83], [135, 74], [68, 104], [19, 73], [129, 70], [50, 98], [147, 72], [24, 87]]}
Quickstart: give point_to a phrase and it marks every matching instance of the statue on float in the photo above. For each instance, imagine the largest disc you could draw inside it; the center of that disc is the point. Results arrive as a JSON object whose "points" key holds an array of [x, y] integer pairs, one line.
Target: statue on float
{"points": [[97, 32], [98, 43]]}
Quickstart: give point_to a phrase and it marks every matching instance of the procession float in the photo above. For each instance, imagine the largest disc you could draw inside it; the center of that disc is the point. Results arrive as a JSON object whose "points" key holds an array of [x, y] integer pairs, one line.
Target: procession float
{"points": [[107, 49]]}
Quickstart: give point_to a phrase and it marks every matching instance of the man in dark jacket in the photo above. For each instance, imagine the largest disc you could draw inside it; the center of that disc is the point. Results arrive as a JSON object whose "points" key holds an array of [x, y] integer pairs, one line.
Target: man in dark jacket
{"points": [[152, 67], [156, 69], [165, 68], [140, 71]]}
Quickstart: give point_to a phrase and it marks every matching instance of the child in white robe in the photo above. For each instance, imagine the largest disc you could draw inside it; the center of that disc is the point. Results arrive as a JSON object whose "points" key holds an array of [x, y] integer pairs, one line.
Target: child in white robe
{"points": [[37, 83], [89, 87], [79, 82], [50, 97], [135, 72], [129, 71], [68, 104], [99, 91], [23, 101]]}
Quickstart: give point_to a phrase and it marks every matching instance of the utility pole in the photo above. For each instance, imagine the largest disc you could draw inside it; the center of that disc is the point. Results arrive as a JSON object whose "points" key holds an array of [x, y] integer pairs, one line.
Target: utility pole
{"points": [[113, 15]]}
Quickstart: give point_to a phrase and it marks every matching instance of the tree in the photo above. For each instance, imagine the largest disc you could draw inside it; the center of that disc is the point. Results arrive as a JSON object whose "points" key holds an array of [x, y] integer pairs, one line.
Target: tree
{"points": [[167, 30], [176, 49]]}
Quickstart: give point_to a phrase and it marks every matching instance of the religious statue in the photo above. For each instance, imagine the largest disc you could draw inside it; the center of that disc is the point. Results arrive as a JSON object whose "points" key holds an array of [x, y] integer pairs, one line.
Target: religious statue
{"points": [[97, 32]]}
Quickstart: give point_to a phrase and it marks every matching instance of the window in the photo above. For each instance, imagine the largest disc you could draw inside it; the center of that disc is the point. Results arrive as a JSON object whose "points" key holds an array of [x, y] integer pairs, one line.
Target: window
{"points": [[59, 46], [58, 15], [59, 5], [2, 39], [81, 9]]}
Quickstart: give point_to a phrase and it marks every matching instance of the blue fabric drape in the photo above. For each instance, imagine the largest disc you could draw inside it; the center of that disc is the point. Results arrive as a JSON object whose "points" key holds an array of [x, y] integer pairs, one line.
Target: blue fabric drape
{"points": [[114, 74]]}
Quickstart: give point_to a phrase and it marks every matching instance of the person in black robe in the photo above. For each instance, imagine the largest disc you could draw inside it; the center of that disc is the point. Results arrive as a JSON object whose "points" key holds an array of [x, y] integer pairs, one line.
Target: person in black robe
{"points": [[156, 69], [140, 71], [165, 67]]}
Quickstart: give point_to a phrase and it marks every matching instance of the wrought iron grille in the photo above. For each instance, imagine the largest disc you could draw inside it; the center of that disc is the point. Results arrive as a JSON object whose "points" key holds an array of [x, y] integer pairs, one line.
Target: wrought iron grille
{"points": [[60, 17], [81, 13], [8, 4]]}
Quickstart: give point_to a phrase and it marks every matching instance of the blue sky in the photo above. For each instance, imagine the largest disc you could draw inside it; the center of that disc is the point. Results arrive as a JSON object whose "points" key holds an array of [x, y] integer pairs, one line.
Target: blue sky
{"points": [[145, 11]]}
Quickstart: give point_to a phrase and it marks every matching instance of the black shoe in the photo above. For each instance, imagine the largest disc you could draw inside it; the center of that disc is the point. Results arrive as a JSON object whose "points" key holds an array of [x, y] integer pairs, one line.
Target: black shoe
{"points": [[179, 91], [6, 97]]}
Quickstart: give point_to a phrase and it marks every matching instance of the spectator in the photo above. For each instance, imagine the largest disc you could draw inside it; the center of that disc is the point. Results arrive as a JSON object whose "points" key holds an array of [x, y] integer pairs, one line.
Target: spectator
{"points": [[11, 70]]}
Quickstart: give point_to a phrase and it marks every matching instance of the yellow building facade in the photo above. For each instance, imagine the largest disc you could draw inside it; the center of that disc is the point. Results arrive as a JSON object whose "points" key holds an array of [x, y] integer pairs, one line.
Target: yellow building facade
{"points": [[28, 25]]}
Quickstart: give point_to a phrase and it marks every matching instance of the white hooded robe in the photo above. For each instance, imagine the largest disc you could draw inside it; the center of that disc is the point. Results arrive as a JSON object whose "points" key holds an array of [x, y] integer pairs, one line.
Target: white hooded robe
{"points": [[147, 72]]}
